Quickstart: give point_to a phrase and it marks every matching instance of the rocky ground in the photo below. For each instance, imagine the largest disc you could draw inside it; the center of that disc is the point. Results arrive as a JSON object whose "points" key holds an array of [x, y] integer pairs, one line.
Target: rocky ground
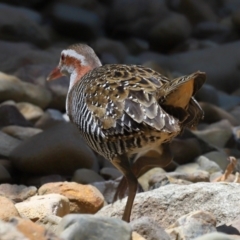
{"points": [[52, 186]]}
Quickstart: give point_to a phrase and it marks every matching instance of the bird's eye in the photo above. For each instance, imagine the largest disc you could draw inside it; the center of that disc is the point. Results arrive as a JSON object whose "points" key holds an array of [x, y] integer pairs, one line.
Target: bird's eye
{"points": [[62, 57]]}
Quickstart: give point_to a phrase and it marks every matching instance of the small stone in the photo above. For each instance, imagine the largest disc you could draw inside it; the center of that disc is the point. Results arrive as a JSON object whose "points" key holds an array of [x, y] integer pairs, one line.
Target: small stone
{"points": [[215, 137], [86, 176], [38, 207], [107, 188], [7, 209], [50, 222], [21, 133], [136, 236], [193, 225], [4, 175], [9, 232], [17, 90], [32, 230], [17, 193], [57, 150], [213, 114], [149, 229], [187, 168], [217, 236], [83, 198], [7, 144], [185, 150], [144, 179], [30, 111], [208, 165], [82, 226], [110, 173], [10, 115], [221, 158], [77, 21]]}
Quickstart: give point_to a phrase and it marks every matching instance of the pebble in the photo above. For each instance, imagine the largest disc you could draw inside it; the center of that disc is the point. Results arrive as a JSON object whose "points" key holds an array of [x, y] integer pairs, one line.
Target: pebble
{"points": [[82, 226], [57, 150], [37, 207], [7, 209], [193, 225], [32, 230], [10, 115], [82, 198], [17, 193], [86, 176], [110, 173], [218, 236], [15, 89], [10, 232], [7, 144], [149, 229], [30, 111], [208, 165], [21, 133]]}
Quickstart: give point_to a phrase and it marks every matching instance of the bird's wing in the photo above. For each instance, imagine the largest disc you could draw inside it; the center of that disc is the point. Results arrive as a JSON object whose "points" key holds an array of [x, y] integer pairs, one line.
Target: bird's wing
{"points": [[125, 99]]}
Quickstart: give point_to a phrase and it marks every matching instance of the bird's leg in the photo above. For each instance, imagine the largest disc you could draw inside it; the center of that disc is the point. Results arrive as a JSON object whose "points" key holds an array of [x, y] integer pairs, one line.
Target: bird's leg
{"points": [[122, 163], [142, 165]]}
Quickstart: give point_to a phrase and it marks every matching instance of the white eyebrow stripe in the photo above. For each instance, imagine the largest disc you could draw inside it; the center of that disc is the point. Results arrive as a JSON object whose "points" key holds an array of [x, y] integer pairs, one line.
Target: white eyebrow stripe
{"points": [[72, 53]]}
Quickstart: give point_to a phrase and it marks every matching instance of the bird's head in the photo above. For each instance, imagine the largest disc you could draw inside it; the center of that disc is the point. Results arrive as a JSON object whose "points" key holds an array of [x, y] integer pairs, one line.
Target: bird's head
{"points": [[77, 59]]}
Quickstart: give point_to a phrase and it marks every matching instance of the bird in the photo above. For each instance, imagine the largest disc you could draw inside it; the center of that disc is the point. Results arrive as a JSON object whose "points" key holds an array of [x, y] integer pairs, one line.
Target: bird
{"points": [[129, 114]]}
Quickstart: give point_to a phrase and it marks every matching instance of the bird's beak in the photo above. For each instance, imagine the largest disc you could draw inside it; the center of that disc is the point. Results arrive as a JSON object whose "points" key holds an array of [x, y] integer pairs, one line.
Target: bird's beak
{"points": [[54, 74]]}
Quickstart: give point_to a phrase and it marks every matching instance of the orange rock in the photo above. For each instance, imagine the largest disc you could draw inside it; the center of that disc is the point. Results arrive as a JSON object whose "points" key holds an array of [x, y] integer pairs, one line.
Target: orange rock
{"points": [[32, 230], [7, 209], [83, 198]]}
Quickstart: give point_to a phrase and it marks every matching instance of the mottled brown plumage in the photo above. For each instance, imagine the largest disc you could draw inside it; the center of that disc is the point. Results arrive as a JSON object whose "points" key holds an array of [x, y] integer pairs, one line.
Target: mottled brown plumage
{"points": [[126, 112]]}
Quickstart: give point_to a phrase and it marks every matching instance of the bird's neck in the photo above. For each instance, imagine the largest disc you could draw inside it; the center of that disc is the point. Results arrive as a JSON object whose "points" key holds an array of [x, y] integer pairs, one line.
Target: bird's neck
{"points": [[77, 75]]}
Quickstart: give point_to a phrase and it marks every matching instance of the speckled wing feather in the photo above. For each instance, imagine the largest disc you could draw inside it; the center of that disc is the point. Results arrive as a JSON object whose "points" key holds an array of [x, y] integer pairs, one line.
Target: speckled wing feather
{"points": [[125, 99]]}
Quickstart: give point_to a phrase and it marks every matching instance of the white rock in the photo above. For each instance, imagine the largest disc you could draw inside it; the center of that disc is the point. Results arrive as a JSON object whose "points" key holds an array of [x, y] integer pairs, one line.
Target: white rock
{"points": [[40, 206], [166, 204]]}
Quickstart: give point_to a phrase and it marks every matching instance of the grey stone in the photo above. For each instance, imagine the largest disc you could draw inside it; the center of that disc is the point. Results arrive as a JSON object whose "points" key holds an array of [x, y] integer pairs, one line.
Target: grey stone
{"points": [[86, 176], [21, 133], [185, 150], [198, 10], [10, 115], [214, 114], [5, 176], [187, 168], [13, 88], [221, 158], [30, 111], [110, 173], [217, 236], [58, 150], [7, 144], [170, 202], [107, 188], [169, 32], [208, 165], [224, 78], [10, 232], [193, 225], [149, 229], [17, 193], [81, 227], [116, 48], [50, 222], [21, 26], [76, 22]]}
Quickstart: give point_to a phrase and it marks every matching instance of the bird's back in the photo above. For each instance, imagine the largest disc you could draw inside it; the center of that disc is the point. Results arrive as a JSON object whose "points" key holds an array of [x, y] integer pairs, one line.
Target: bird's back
{"points": [[128, 108]]}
